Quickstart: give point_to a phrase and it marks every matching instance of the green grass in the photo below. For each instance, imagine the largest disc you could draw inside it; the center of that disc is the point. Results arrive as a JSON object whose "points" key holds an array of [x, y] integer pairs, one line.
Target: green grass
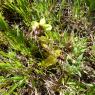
{"points": [[47, 47]]}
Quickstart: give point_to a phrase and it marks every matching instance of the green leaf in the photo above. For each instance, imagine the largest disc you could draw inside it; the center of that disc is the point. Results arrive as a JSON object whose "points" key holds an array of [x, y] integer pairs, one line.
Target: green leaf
{"points": [[13, 87], [48, 62], [3, 24], [5, 66], [17, 78]]}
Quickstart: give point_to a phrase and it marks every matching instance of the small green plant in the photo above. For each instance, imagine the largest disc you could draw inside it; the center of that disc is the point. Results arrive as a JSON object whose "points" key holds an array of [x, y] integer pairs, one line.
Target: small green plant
{"points": [[43, 49]]}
